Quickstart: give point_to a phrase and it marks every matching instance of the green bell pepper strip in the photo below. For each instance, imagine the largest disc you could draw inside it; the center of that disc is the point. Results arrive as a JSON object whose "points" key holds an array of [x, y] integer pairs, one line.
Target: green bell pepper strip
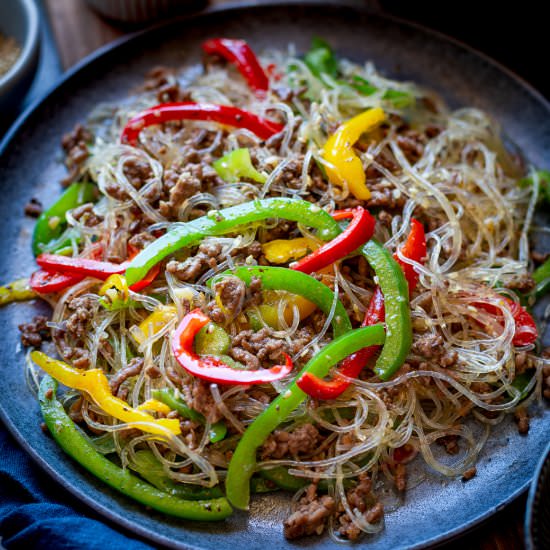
{"points": [[280, 476], [75, 445], [399, 98], [212, 340], [220, 222], [218, 430], [147, 465], [296, 282], [521, 381], [260, 485], [393, 284], [544, 184], [236, 165], [17, 291], [243, 462], [320, 58], [541, 276], [51, 223]]}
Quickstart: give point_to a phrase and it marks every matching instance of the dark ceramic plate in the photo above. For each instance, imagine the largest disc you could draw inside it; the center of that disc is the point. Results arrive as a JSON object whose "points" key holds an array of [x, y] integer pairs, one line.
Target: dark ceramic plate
{"points": [[537, 518], [434, 511]]}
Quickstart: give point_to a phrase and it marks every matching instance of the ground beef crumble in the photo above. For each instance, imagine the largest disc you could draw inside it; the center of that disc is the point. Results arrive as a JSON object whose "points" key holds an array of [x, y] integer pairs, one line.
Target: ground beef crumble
{"points": [[311, 515], [521, 416], [75, 145], [33, 208], [207, 257], [265, 348], [35, 332], [198, 396], [83, 308], [134, 367], [362, 499], [301, 441], [469, 473]]}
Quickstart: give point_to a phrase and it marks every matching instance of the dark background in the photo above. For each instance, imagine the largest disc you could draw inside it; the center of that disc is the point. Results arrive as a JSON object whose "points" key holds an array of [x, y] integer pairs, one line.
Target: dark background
{"points": [[516, 34]]}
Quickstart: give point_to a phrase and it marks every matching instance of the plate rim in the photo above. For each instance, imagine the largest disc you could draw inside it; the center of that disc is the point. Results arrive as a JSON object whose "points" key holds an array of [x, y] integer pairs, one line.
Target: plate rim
{"points": [[111, 517]]}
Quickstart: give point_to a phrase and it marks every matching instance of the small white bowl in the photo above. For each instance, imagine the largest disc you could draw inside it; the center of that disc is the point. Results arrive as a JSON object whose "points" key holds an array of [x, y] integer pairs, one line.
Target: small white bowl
{"points": [[19, 19]]}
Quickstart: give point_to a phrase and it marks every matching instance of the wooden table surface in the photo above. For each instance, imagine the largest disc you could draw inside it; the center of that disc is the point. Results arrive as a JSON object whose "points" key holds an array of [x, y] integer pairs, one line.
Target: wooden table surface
{"points": [[79, 31]]}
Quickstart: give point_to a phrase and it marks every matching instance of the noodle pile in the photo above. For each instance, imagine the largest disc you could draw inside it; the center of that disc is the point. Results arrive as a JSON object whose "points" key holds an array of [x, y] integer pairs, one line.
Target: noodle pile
{"points": [[457, 178]]}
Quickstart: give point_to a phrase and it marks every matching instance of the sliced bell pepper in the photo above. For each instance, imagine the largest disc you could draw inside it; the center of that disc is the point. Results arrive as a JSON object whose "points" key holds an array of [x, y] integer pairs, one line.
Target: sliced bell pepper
{"points": [[220, 222], [115, 293], [236, 165], [154, 405], [320, 58], [399, 99], [526, 331], [243, 462], [46, 282], [281, 278], [223, 114], [269, 309], [88, 267], [211, 368], [282, 251], [66, 271], [75, 444], [241, 55], [346, 167], [359, 230], [153, 323], [52, 221], [414, 249], [18, 291], [148, 466], [541, 275], [95, 384], [351, 366]]}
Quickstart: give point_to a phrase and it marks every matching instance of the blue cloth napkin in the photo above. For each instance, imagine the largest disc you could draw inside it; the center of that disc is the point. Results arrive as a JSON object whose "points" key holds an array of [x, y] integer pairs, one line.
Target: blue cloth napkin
{"points": [[35, 511]]}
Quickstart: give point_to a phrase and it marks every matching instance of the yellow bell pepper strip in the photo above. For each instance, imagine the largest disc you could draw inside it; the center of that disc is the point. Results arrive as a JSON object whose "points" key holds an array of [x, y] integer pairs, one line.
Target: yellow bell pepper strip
{"points": [[153, 405], [78, 446], [282, 251], [269, 309], [115, 294], [153, 323], [18, 291], [95, 384], [338, 151]]}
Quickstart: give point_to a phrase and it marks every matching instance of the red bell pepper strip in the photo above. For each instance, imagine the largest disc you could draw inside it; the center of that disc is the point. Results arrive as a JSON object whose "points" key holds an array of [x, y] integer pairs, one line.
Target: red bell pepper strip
{"points": [[44, 282], [358, 232], [415, 249], [241, 55], [188, 110], [351, 366], [59, 272], [526, 331], [211, 368], [80, 266]]}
